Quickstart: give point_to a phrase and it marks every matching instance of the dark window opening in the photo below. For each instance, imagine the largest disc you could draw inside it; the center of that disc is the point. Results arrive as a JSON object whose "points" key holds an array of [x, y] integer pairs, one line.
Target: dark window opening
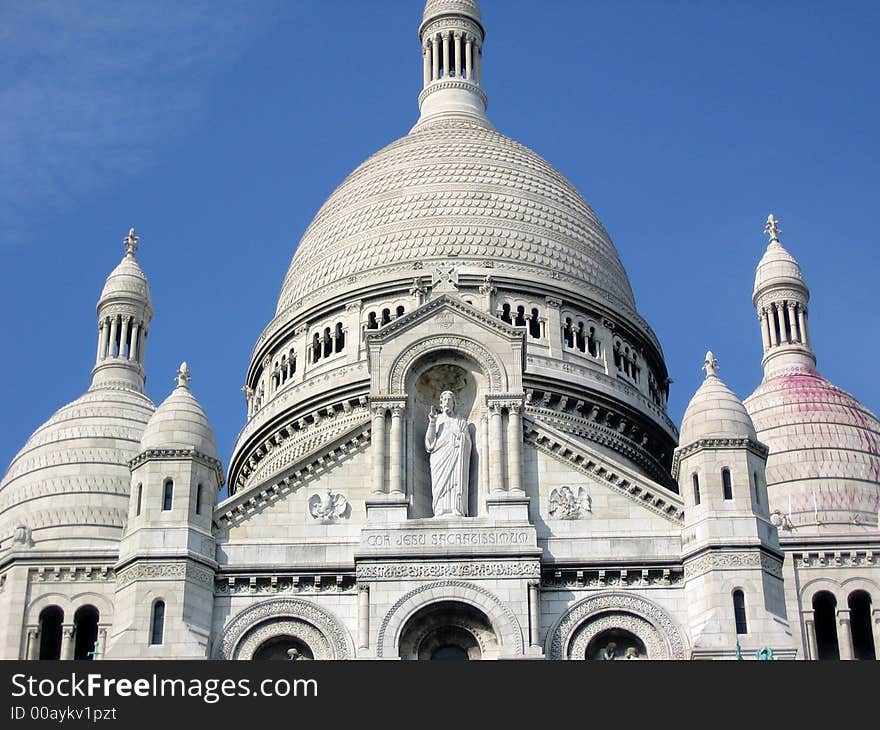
{"points": [[85, 627], [726, 485], [825, 623], [168, 495], [739, 612], [157, 624], [860, 624], [696, 480]]}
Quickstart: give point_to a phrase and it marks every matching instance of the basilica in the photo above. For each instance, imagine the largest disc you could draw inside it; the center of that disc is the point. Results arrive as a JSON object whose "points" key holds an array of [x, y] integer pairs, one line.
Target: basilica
{"points": [[455, 445]]}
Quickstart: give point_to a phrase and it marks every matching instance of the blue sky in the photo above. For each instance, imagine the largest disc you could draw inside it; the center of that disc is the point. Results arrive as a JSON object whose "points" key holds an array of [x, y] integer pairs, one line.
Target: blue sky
{"points": [[217, 129]]}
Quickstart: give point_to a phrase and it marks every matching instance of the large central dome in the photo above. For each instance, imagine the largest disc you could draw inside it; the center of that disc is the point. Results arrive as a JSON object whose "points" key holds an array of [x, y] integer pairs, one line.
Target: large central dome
{"points": [[456, 187]]}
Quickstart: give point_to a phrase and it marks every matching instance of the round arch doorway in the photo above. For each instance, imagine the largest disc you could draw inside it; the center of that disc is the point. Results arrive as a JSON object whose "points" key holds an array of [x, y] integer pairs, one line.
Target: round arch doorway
{"points": [[448, 631]]}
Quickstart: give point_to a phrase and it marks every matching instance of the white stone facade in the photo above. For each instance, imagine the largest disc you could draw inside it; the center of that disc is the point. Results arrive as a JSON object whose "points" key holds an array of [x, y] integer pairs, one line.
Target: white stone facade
{"points": [[453, 260]]}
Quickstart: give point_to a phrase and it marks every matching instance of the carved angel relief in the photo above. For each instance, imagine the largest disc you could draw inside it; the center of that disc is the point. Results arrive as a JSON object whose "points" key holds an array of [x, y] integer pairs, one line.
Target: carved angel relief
{"points": [[565, 504], [329, 507]]}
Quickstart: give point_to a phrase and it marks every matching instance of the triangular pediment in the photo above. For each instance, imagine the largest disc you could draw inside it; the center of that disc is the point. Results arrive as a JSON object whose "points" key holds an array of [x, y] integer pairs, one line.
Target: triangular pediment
{"points": [[445, 308], [574, 453]]}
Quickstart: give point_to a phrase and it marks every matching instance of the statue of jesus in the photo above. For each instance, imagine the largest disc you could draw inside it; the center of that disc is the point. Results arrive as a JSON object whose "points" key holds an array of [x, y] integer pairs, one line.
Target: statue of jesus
{"points": [[448, 441]]}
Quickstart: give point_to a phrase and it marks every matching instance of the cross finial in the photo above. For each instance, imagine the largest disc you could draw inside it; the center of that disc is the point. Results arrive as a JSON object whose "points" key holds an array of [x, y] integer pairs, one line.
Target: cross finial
{"points": [[131, 242], [772, 228], [183, 376], [711, 364]]}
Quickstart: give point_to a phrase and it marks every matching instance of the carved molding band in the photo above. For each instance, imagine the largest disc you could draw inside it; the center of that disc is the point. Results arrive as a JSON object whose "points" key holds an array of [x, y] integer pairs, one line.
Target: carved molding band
{"points": [[483, 569], [483, 357]]}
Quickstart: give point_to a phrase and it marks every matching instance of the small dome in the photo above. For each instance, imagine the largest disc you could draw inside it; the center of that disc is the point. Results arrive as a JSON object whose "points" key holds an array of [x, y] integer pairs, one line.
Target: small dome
{"points": [[127, 280], [715, 412], [824, 450], [778, 267], [70, 481], [438, 8], [180, 422]]}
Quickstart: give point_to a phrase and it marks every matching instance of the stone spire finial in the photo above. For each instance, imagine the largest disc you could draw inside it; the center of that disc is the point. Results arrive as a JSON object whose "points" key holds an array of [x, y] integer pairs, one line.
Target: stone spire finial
{"points": [[183, 376], [772, 229], [131, 242], [711, 365]]}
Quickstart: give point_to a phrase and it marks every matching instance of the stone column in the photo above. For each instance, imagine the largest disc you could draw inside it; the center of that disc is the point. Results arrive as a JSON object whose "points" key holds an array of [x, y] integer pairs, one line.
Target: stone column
{"points": [[496, 449], [446, 62], [435, 57], [554, 327], [142, 347], [458, 55], [426, 53], [112, 344], [802, 322], [792, 323], [514, 447], [811, 648], [135, 337], [478, 65], [363, 616], [844, 634], [774, 320], [469, 58], [484, 453], [100, 354], [378, 449], [396, 446], [33, 645], [123, 336], [534, 613], [765, 330], [67, 642]]}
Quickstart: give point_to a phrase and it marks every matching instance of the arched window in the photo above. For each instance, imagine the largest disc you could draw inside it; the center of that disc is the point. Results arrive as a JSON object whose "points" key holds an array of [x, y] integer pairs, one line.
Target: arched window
{"points": [[535, 325], [726, 485], [401, 310], [860, 625], [316, 347], [593, 343], [739, 612], [580, 337], [372, 323], [85, 627], [157, 623], [340, 338], [696, 480], [51, 619], [386, 316], [199, 496], [168, 495], [328, 342], [505, 314], [825, 618], [568, 333], [520, 320], [140, 494]]}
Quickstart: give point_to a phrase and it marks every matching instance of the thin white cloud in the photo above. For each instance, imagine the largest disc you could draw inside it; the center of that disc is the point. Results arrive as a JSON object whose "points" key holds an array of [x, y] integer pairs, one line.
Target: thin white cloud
{"points": [[90, 90]]}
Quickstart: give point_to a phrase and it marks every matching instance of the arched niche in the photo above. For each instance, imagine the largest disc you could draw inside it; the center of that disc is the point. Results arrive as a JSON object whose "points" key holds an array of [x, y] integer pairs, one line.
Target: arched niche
{"points": [[427, 378], [300, 620], [581, 630], [448, 631]]}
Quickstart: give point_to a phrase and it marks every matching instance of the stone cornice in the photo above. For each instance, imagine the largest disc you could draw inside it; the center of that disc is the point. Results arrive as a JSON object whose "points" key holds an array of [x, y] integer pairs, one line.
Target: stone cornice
{"points": [[682, 452], [178, 455], [318, 460], [650, 495]]}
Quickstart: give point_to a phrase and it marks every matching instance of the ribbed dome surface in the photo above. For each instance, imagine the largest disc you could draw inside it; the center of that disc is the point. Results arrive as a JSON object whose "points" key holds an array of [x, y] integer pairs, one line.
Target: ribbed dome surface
{"points": [[436, 8], [180, 423], [127, 279], [454, 187], [715, 412], [823, 444], [777, 266], [70, 481]]}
